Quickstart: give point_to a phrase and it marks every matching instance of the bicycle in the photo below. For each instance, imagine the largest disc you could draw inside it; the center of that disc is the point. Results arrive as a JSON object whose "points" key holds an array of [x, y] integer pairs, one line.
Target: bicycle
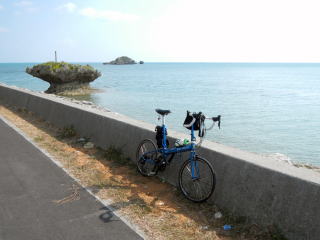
{"points": [[196, 176]]}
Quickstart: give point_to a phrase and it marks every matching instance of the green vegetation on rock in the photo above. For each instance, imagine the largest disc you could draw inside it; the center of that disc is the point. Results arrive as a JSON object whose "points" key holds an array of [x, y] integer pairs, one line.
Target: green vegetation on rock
{"points": [[64, 76], [54, 66]]}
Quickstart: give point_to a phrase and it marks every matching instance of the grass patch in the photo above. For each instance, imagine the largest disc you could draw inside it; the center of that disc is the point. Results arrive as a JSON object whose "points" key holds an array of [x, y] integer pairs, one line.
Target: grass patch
{"points": [[276, 234], [67, 132], [38, 139], [117, 156], [139, 206]]}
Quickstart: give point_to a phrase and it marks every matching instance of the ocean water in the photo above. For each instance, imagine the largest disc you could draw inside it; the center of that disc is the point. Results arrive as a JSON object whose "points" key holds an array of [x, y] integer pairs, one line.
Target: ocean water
{"points": [[267, 108]]}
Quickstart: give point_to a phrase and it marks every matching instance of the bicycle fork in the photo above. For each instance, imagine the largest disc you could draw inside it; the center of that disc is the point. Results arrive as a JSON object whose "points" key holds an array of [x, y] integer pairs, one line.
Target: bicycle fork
{"points": [[194, 166]]}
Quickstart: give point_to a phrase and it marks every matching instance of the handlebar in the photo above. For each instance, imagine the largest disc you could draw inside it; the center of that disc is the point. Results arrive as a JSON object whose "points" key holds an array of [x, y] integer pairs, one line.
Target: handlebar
{"points": [[199, 119], [191, 118], [216, 119]]}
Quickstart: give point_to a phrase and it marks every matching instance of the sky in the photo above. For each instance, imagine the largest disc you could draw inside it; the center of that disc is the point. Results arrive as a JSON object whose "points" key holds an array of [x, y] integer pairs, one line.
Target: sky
{"points": [[160, 30]]}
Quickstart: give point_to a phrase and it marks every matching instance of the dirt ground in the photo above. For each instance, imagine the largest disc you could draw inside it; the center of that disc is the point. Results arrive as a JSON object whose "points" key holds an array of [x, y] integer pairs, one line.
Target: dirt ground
{"points": [[155, 207]]}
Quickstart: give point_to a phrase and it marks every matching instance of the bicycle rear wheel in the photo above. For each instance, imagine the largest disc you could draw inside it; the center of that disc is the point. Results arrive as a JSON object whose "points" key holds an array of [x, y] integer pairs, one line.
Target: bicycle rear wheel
{"points": [[146, 158], [200, 188]]}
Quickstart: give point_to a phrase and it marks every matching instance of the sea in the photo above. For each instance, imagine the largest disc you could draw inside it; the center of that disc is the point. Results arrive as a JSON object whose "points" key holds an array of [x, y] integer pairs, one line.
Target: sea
{"points": [[271, 109]]}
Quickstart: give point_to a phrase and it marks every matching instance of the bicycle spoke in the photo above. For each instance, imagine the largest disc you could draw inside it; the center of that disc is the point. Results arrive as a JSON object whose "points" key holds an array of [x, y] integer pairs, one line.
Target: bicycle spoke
{"points": [[205, 190], [197, 188], [187, 173], [146, 158], [199, 191]]}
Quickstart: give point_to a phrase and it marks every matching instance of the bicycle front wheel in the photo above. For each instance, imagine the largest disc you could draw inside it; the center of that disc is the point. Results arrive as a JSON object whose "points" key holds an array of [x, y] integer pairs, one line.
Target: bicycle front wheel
{"points": [[197, 179], [146, 157]]}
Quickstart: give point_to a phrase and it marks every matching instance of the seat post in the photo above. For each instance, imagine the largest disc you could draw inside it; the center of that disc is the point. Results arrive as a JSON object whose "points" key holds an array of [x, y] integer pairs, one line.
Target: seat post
{"points": [[163, 120]]}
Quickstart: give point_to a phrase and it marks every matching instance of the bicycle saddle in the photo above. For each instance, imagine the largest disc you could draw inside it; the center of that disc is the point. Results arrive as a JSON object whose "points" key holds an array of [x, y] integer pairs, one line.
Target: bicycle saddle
{"points": [[163, 112]]}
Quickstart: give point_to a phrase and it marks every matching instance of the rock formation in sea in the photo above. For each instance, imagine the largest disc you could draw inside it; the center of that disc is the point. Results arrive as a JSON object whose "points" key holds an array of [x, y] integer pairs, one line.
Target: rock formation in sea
{"points": [[141, 62], [121, 61], [65, 78]]}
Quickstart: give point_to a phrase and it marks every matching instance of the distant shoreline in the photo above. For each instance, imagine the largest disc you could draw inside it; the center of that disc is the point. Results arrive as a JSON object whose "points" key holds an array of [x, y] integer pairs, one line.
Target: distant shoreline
{"points": [[99, 62]]}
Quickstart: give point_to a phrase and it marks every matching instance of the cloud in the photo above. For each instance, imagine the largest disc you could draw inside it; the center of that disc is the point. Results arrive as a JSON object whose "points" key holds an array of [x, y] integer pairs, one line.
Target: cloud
{"points": [[107, 15], [1, 7], [2, 29], [97, 13], [23, 4], [26, 6], [70, 7], [237, 31]]}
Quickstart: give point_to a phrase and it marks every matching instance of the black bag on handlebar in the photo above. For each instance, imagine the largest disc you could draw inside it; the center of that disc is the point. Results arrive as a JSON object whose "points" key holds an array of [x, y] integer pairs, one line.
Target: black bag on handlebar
{"points": [[195, 119]]}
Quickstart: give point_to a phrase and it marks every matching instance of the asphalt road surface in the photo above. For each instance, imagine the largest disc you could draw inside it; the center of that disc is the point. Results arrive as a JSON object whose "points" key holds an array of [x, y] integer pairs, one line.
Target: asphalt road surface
{"points": [[31, 186]]}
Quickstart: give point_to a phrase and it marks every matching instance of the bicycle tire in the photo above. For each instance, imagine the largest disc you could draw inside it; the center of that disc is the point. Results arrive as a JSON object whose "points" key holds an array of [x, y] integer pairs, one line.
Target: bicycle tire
{"points": [[190, 187], [146, 158]]}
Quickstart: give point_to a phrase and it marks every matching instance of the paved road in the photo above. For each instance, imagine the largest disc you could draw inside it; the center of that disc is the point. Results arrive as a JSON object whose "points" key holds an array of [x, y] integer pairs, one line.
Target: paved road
{"points": [[29, 185]]}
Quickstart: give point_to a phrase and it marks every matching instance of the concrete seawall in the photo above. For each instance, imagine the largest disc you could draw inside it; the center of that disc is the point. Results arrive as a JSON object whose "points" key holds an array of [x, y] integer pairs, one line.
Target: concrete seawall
{"points": [[263, 189]]}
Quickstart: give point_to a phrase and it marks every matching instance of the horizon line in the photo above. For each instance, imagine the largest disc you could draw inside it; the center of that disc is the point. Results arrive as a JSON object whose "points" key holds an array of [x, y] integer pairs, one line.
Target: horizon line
{"points": [[177, 62]]}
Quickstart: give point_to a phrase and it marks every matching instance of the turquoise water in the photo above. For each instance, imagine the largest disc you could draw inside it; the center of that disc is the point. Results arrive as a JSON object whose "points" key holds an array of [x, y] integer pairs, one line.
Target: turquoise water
{"points": [[266, 108]]}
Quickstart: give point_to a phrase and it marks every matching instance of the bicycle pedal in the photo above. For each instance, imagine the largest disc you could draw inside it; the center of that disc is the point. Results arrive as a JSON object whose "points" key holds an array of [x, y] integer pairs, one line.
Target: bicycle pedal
{"points": [[162, 166]]}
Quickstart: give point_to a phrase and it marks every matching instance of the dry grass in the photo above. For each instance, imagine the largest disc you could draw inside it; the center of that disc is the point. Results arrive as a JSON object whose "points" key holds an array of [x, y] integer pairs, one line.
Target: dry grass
{"points": [[157, 208]]}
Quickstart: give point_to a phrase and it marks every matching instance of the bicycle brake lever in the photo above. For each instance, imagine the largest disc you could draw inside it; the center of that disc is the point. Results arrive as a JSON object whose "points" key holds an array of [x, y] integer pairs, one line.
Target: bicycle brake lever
{"points": [[217, 119]]}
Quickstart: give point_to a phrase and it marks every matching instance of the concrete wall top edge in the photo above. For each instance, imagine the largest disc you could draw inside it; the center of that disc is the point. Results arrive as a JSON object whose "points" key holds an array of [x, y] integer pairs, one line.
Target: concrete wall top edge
{"points": [[248, 157], [84, 107], [264, 161]]}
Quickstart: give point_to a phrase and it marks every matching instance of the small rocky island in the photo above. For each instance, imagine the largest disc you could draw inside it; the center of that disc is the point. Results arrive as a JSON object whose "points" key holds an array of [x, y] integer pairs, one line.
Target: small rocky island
{"points": [[65, 78], [122, 61]]}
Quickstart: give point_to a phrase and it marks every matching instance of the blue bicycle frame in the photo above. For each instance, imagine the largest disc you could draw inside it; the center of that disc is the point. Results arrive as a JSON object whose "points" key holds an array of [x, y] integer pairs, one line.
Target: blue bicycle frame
{"points": [[165, 151]]}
